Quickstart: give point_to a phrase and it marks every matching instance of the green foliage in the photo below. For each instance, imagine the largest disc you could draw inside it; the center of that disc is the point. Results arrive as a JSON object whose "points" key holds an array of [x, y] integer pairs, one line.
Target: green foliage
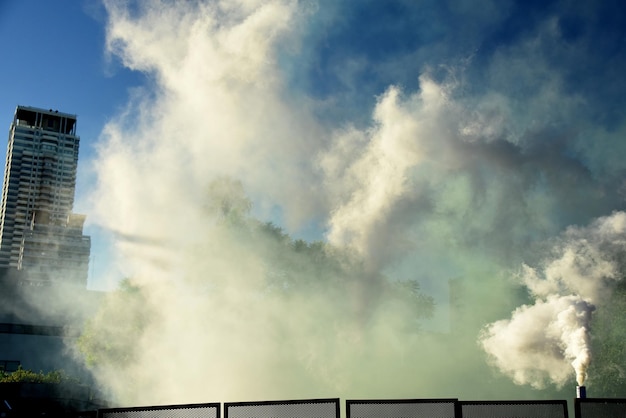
{"points": [[274, 232], [126, 286], [330, 282], [108, 337], [28, 376], [607, 372], [299, 267], [227, 200]]}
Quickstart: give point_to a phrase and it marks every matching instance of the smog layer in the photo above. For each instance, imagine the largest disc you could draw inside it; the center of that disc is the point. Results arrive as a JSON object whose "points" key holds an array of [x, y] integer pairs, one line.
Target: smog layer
{"points": [[360, 199]]}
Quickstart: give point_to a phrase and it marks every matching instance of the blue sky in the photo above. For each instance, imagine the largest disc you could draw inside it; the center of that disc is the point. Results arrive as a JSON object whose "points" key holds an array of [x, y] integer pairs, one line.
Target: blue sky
{"points": [[57, 60], [437, 139]]}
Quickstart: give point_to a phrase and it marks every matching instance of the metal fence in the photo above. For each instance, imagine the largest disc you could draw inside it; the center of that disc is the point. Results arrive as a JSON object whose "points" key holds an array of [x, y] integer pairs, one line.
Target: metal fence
{"points": [[309, 408], [204, 410], [377, 408], [401, 408], [600, 408], [518, 409]]}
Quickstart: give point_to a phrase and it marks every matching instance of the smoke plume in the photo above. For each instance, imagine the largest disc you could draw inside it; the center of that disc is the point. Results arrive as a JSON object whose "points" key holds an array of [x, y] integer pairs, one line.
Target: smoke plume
{"points": [[400, 153], [542, 341]]}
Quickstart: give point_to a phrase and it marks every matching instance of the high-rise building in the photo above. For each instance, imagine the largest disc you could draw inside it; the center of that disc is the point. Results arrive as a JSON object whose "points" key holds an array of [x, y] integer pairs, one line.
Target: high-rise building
{"points": [[38, 231]]}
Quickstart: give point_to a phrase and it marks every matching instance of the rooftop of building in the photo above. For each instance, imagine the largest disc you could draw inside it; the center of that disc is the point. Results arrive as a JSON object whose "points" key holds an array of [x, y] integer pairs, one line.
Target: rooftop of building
{"points": [[52, 112], [48, 119]]}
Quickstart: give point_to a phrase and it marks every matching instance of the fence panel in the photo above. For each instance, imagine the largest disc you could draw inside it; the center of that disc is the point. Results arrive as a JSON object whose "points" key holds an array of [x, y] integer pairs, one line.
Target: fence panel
{"points": [[310, 408], [600, 408], [401, 408], [204, 410], [518, 409]]}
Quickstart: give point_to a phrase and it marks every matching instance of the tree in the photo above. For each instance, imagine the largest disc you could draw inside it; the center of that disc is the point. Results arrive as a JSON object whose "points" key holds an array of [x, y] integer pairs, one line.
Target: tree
{"points": [[28, 376], [226, 199], [313, 277], [108, 337], [607, 372]]}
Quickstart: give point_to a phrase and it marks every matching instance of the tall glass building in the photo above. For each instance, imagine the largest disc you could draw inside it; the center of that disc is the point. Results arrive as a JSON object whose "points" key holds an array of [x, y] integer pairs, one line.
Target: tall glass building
{"points": [[38, 231]]}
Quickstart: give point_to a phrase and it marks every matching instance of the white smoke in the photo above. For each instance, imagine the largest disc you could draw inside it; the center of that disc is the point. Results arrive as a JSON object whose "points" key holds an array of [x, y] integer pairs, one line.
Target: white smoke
{"points": [[371, 170], [439, 184], [543, 341], [217, 107]]}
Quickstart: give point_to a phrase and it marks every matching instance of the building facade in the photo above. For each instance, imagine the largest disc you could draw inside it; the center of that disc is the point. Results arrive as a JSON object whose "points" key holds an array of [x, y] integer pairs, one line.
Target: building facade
{"points": [[38, 231]]}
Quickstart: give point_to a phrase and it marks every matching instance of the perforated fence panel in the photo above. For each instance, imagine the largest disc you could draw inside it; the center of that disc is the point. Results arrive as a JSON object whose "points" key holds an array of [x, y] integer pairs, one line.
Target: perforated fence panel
{"points": [[83, 414], [313, 408], [600, 408], [517, 409], [205, 410], [401, 408]]}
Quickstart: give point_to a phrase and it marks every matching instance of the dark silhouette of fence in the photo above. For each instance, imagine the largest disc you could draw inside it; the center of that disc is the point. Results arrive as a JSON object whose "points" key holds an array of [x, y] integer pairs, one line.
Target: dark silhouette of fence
{"points": [[367, 408], [402, 408], [518, 409], [600, 408], [205, 410], [310, 408]]}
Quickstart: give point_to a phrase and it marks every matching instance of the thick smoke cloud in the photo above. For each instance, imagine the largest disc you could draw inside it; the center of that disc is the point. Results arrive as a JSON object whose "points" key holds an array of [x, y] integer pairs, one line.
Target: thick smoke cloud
{"points": [[449, 157], [218, 97], [542, 342]]}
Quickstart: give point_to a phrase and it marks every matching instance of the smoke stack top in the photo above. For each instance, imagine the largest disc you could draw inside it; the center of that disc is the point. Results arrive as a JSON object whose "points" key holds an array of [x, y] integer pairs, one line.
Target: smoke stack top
{"points": [[581, 392]]}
